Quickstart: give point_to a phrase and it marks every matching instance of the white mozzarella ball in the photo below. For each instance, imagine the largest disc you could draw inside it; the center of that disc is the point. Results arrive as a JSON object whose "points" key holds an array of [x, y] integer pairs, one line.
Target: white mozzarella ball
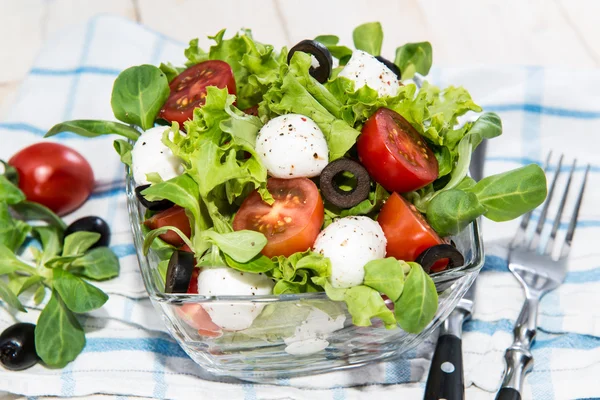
{"points": [[350, 243], [149, 154], [364, 69], [225, 281], [292, 146], [311, 336]]}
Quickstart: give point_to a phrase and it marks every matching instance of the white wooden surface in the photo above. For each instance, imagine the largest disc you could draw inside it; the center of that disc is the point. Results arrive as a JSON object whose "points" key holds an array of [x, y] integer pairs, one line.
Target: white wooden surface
{"points": [[544, 32]]}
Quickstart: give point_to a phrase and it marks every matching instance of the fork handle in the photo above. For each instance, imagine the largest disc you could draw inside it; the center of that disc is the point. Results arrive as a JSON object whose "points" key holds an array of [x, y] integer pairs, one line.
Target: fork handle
{"points": [[519, 360], [508, 394]]}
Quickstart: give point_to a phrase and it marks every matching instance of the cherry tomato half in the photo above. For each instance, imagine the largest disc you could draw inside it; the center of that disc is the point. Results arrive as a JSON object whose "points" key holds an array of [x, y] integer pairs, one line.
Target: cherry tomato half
{"points": [[394, 153], [292, 223], [406, 231], [195, 315], [54, 175], [174, 216], [188, 89]]}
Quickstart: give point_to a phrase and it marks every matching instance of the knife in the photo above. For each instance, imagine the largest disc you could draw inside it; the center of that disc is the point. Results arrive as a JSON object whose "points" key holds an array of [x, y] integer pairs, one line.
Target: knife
{"points": [[446, 376]]}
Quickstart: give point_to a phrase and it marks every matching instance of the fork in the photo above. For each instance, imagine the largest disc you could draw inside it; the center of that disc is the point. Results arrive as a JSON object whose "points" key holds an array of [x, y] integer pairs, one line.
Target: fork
{"points": [[539, 273]]}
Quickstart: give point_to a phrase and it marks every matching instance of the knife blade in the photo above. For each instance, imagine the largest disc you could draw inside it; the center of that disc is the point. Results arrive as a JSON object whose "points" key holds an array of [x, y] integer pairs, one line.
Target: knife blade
{"points": [[446, 375]]}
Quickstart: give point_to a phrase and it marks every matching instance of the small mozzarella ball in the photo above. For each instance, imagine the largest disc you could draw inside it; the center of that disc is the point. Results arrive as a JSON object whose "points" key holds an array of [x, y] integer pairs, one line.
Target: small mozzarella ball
{"points": [[364, 69], [225, 281], [292, 146], [350, 243], [311, 336], [149, 154]]}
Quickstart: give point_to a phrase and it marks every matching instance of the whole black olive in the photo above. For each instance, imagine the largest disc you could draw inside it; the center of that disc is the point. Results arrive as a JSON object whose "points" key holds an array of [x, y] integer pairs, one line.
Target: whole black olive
{"points": [[391, 66], [321, 53], [440, 252], [17, 347], [179, 271], [338, 197], [157, 205], [91, 224]]}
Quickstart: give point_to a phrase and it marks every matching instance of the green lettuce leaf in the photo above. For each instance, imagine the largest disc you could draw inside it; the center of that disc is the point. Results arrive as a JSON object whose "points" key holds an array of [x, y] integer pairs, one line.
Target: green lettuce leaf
{"points": [[255, 65], [298, 92]]}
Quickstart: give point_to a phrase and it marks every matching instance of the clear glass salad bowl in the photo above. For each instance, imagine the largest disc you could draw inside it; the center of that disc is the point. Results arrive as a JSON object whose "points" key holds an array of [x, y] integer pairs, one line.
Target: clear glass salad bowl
{"points": [[294, 334]]}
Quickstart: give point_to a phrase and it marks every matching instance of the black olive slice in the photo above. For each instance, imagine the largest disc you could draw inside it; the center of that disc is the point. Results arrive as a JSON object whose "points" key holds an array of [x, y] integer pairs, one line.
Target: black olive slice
{"points": [[321, 53], [17, 347], [392, 67], [439, 252], [179, 272], [335, 195], [91, 224], [157, 205]]}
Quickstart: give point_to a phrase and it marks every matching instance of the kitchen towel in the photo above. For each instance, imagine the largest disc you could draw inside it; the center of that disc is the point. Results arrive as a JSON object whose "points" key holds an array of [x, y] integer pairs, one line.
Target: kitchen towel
{"points": [[128, 351]]}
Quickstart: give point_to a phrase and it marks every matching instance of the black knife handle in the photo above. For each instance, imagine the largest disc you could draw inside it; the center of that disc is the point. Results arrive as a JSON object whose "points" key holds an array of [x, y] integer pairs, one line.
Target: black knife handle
{"points": [[508, 394], [446, 377]]}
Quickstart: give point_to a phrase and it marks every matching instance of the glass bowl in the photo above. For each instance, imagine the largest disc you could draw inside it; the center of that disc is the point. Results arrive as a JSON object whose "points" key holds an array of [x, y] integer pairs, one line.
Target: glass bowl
{"points": [[294, 335]]}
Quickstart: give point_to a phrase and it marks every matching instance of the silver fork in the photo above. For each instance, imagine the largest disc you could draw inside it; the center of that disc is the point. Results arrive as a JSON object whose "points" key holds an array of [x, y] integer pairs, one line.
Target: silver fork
{"points": [[539, 273]]}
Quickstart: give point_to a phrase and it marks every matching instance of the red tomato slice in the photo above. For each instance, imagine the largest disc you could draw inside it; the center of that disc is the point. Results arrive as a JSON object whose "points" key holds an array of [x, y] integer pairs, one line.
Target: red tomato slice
{"points": [[195, 316], [406, 231], [54, 175], [292, 223], [188, 89], [252, 110], [394, 153], [174, 216], [193, 286]]}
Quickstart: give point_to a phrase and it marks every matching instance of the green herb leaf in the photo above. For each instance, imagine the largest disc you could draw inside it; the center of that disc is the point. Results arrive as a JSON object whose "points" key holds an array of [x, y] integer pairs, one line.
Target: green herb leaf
{"points": [[368, 37], [93, 128], [342, 53], [10, 263], [385, 275], [418, 303], [123, 148], [414, 57], [61, 261], [77, 243], [30, 211], [78, 295], [364, 304], [138, 95], [59, 337], [20, 283], [13, 232], [50, 237], [241, 246], [511, 194], [487, 126], [163, 266], [452, 211], [98, 264], [256, 265], [10, 173], [170, 70], [39, 295], [150, 236], [9, 193], [10, 298]]}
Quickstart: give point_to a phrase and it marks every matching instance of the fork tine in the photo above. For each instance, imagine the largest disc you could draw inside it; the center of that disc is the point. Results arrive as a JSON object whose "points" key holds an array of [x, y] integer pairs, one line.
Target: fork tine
{"points": [[520, 234], [566, 247], [535, 240], [561, 208]]}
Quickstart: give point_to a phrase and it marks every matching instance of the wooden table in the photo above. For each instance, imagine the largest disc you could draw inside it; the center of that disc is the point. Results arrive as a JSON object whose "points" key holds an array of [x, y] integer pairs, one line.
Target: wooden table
{"points": [[542, 32]]}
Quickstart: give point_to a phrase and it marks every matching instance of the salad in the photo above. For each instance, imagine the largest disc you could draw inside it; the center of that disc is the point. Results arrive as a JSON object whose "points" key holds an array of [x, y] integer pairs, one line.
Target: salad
{"points": [[318, 168]]}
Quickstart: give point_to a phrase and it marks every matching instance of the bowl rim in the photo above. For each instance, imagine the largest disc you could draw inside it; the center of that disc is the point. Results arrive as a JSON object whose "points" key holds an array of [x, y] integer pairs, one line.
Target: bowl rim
{"points": [[442, 279]]}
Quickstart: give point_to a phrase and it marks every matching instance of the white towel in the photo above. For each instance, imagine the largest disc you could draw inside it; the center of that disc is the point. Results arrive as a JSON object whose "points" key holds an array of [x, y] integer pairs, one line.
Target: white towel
{"points": [[128, 352]]}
